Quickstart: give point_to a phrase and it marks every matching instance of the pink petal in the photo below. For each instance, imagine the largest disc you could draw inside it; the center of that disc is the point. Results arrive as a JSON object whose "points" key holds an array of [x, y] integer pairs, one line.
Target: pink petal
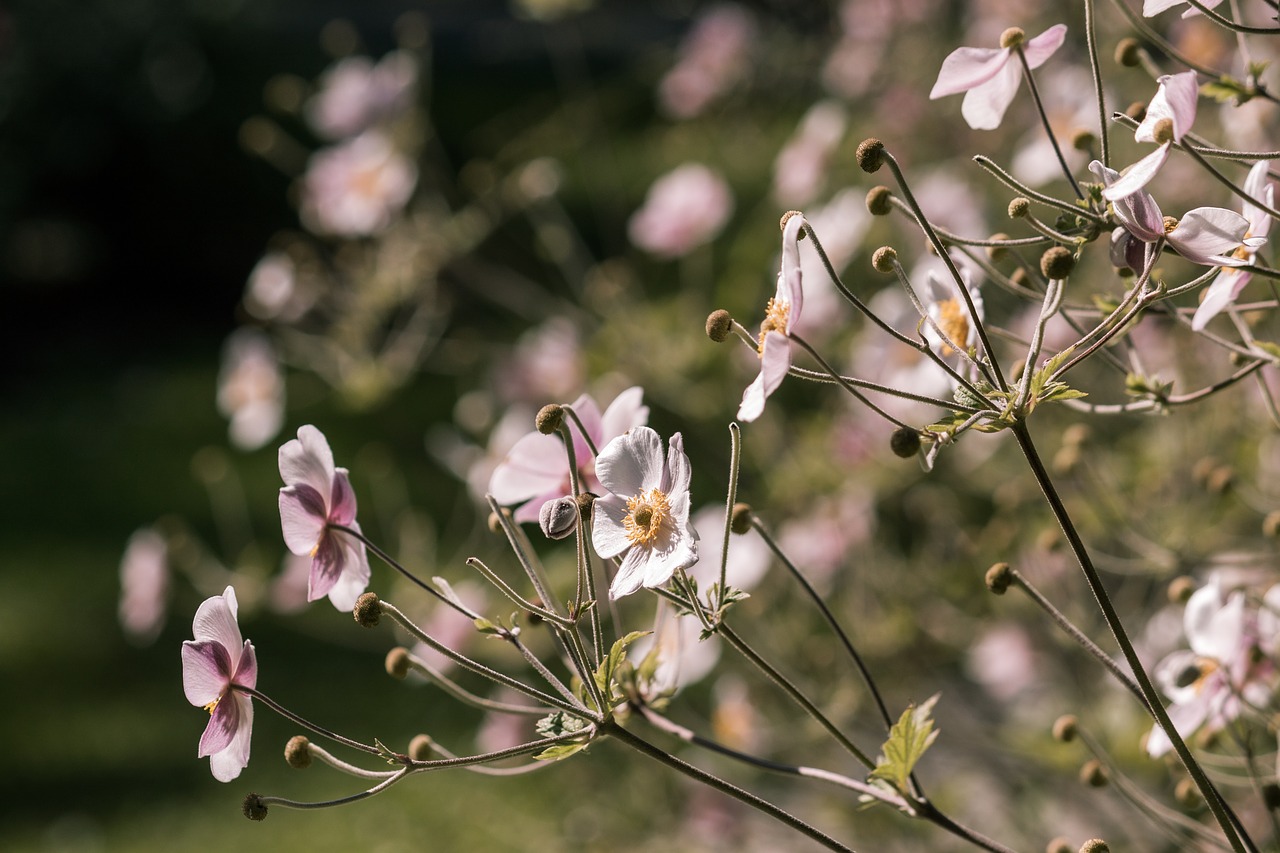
{"points": [[246, 674], [608, 535], [1043, 46], [1207, 235], [626, 411], [631, 463], [967, 67], [222, 726], [326, 566], [1151, 8], [307, 459], [589, 413], [789, 288], [215, 620], [535, 464], [984, 106], [342, 501], [227, 763], [1175, 100], [1223, 292], [206, 671], [753, 398], [302, 518], [1138, 176], [630, 576]]}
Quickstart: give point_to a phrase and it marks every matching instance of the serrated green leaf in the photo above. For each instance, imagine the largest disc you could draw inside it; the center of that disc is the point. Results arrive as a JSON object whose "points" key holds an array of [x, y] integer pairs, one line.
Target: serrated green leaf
{"points": [[908, 740], [1227, 89], [484, 626], [609, 666], [559, 751]]}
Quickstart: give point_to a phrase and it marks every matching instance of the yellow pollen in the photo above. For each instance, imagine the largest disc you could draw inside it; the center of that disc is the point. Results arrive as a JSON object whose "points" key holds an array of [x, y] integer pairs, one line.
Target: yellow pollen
{"points": [[954, 323], [646, 515], [775, 319], [212, 705], [1170, 223]]}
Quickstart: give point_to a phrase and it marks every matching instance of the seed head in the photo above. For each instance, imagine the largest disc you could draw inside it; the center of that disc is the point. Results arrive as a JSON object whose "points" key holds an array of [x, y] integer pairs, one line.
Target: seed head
{"points": [[1180, 589], [1057, 262], [878, 200], [1093, 774], [1012, 37], [782, 223], [1136, 111], [997, 253], [904, 442], [719, 324], [1019, 207], [883, 258], [1127, 52], [368, 610], [397, 662], [1065, 727], [740, 518], [254, 808], [1271, 524], [870, 155], [999, 576], [549, 418], [1095, 845], [1058, 845], [1083, 140], [297, 752], [420, 747], [1187, 794]]}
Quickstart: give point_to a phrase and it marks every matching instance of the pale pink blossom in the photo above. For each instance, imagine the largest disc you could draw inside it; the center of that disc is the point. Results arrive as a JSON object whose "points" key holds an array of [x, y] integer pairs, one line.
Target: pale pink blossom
{"points": [[820, 540], [536, 469], [989, 77], [714, 56], [782, 312], [355, 94], [644, 515], [251, 389], [274, 290], [1175, 104], [1229, 282], [356, 188], [801, 166], [683, 209], [547, 364], [682, 657], [1151, 8], [144, 585], [214, 664], [317, 496], [749, 556]]}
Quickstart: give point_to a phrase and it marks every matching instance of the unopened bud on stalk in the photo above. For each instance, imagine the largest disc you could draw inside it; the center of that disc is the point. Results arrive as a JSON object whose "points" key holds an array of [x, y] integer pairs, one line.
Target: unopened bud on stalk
{"points": [[1180, 589], [878, 200], [495, 525], [420, 747], [254, 808], [1019, 277], [1065, 727], [1187, 794], [558, 517], [397, 662], [1057, 262], [585, 500], [1202, 469], [882, 259], [368, 610], [1136, 111], [782, 223], [1076, 434], [870, 155], [1095, 845], [719, 325], [740, 518], [1050, 539], [997, 253], [297, 752], [549, 418], [1093, 774], [1127, 52], [1012, 37], [1019, 207], [904, 442], [998, 578], [1083, 140]]}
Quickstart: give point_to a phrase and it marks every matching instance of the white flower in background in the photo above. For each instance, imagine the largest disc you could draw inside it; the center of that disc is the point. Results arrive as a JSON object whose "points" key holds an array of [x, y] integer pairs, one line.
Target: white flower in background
{"points": [[1229, 282], [949, 313], [356, 188], [782, 311], [684, 209], [274, 290], [251, 389], [355, 94], [749, 556], [801, 166], [682, 658], [714, 56]]}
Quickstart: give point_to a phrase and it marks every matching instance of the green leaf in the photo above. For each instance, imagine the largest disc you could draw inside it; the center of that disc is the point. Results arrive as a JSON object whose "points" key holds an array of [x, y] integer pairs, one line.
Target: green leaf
{"points": [[560, 750], [609, 666], [1268, 347], [908, 740], [484, 626], [559, 723], [1227, 90]]}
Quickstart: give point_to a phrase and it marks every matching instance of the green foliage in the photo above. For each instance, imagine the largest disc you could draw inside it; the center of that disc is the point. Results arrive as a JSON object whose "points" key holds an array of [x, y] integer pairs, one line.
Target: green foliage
{"points": [[909, 738], [606, 674]]}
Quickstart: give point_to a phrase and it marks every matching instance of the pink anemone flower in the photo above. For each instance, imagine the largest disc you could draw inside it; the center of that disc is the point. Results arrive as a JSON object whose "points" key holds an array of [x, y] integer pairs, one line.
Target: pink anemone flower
{"points": [[781, 314], [1169, 116], [214, 664], [1228, 284], [989, 77]]}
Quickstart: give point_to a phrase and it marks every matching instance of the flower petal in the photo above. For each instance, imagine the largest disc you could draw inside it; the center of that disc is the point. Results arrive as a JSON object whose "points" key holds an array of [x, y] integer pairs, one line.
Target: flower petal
{"points": [[753, 398], [681, 554], [1223, 292], [608, 534], [1151, 8], [222, 726], [984, 106], [675, 480], [625, 412], [1045, 45], [631, 463], [215, 620], [246, 674], [206, 671], [227, 763], [302, 518], [967, 67], [789, 279], [342, 501], [326, 566], [631, 573], [1207, 235], [535, 464], [1258, 185], [1138, 176], [307, 459]]}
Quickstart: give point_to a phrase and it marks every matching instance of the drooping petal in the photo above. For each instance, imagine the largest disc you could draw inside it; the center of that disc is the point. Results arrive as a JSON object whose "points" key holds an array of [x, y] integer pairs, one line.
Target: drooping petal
{"points": [[630, 576], [302, 518], [535, 464], [678, 471], [1258, 185], [1138, 176], [1216, 632], [1185, 718], [342, 501], [327, 564], [1043, 46], [1150, 8], [246, 674], [682, 553], [227, 763], [1221, 293], [967, 67], [984, 106], [222, 726], [307, 459], [349, 586], [631, 463], [206, 671], [789, 281], [1208, 235], [608, 535], [1175, 100], [753, 398], [215, 620], [625, 412]]}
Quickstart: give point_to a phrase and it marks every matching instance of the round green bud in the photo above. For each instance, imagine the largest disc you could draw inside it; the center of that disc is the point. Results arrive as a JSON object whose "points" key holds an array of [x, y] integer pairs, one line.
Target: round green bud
{"points": [[998, 578], [1127, 52], [782, 223], [1019, 207], [719, 325], [368, 610], [1136, 111], [904, 442], [397, 662], [997, 253], [1180, 589], [1012, 37], [1065, 728], [870, 155], [878, 200], [883, 258], [740, 518], [549, 418], [1095, 845], [1083, 140], [1094, 774], [254, 808], [420, 747], [1057, 262], [297, 752]]}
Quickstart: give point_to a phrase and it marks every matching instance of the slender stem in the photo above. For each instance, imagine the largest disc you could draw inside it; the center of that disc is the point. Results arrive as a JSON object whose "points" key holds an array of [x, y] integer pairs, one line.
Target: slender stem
{"points": [[1022, 189], [317, 751], [818, 376], [847, 386], [1091, 42], [1226, 182], [1151, 697], [390, 561], [464, 695], [586, 436], [1164, 44], [515, 597], [735, 460], [1230, 24], [305, 723], [1044, 119], [520, 545], [585, 581], [340, 801]]}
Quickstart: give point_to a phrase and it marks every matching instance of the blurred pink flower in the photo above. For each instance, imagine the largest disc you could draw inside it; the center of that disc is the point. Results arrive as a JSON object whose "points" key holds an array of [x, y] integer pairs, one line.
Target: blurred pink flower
{"points": [[1175, 103], [1229, 282], [749, 556], [274, 291], [251, 389], [547, 364], [144, 585], [801, 166], [355, 94], [682, 658], [316, 495], [684, 209], [989, 77], [713, 57], [213, 664], [357, 187], [781, 313], [1003, 661], [1151, 8], [819, 540]]}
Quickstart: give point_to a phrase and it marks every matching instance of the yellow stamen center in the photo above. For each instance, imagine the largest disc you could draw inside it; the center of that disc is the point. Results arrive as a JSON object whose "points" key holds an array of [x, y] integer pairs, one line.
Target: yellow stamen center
{"points": [[954, 323], [1170, 223], [646, 514], [775, 319], [212, 705]]}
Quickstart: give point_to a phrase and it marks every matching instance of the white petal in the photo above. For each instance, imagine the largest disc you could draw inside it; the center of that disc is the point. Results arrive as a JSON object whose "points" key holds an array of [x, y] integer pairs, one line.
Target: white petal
{"points": [[984, 106], [215, 620], [967, 67], [631, 463], [608, 534], [1138, 176], [626, 411], [1043, 46], [308, 459], [535, 464]]}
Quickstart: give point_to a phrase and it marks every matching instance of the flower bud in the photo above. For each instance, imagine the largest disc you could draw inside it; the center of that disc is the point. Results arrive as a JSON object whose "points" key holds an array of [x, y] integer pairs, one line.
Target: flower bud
{"points": [[1083, 140], [1019, 207], [870, 155], [1095, 845], [1180, 589], [740, 518], [1019, 277], [782, 223], [883, 258], [254, 808], [397, 662], [1012, 37], [585, 500], [558, 517], [719, 324], [1220, 480], [1093, 774], [1271, 524], [1076, 434], [549, 418], [999, 576], [1187, 794], [1136, 111], [1065, 727], [368, 610], [904, 442], [297, 752], [420, 748], [1058, 845], [878, 200], [1127, 52], [997, 253], [1057, 262]]}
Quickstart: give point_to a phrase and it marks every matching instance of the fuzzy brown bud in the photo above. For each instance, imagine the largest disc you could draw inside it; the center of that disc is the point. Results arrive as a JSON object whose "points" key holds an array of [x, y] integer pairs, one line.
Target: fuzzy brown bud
{"points": [[1187, 794], [420, 747], [740, 519], [1127, 52], [1095, 845], [397, 662], [495, 524], [998, 578], [719, 325], [549, 418], [1058, 845], [782, 223], [878, 200], [1065, 728], [882, 259], [1019, 207], [368, 610], [997, 253], [1136, 111], [904, 442], [1083, 140], [1012, 37], [1180, 589], [1020, 277], [1271, 524], [1094, 774], [254, 808], [870, 155], [1057, 262], [297, 752], [1220, 480]]}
